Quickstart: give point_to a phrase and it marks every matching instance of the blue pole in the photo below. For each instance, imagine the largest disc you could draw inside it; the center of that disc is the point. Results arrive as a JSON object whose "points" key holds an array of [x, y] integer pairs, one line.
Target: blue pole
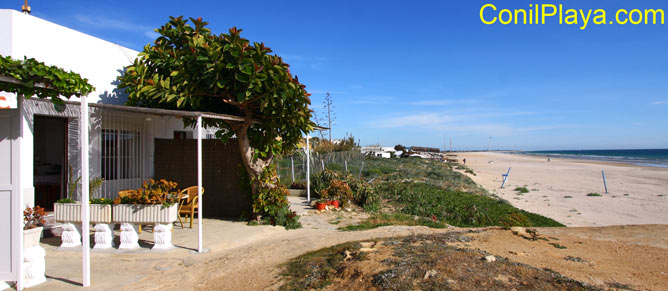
{"points": [[604, 184], [505, 176]]}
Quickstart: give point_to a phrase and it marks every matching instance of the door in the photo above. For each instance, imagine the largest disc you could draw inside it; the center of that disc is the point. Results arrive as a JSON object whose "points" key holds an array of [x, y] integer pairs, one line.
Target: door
{"points": [[50, 160], [10, 210]]}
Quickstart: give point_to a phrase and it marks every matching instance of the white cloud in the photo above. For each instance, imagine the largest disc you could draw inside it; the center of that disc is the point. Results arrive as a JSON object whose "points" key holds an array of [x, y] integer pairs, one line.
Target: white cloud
{"points": [[115, 24], [373, 100], [659, 102]]}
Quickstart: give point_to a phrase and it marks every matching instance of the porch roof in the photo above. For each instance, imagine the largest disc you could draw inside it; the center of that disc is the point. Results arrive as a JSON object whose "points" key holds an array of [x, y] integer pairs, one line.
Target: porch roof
{"points": [[162, 112]]}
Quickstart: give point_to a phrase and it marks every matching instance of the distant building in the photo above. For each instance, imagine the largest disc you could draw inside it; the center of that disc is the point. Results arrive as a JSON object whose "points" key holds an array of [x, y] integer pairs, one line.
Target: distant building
{"points": [[378, 151]]}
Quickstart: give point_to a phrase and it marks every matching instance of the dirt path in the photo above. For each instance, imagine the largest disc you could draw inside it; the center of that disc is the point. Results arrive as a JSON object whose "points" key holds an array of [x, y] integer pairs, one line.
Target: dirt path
{"points": [[636, 256], [254, 266]]}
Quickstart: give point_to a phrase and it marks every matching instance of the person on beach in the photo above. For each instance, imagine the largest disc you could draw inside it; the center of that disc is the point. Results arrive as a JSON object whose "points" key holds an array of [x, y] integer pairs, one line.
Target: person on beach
{"points": [[548, 158], [464, 161]]}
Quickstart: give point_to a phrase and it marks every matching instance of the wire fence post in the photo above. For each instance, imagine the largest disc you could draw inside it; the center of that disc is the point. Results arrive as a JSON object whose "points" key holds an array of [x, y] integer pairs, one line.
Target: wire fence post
{"points": [[604, 183], [292, 164], [360, 174], [345, 163]]}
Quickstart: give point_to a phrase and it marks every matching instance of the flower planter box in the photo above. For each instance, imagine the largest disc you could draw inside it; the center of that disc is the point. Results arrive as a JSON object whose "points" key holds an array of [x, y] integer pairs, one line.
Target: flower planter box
{"points": [[71, 212], [31, 237], [144, 214]]}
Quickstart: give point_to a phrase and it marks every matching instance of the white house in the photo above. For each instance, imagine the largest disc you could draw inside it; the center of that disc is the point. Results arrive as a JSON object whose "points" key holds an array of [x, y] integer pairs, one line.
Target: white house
{"points": [[378, 151], [39, 142]]}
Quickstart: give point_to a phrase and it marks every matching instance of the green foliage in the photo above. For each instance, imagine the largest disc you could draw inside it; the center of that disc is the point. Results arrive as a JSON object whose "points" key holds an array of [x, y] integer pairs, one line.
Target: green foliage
{"points": [[30, 72], [104, 201], [72, 184], [522, 190], [320, 145], [558, 246], [65, 200], [385, 219], [337, 190], [190, 68], [593, 194], [363, 194], [458, 208], [94, 186], [270, 201], [427, 171]]}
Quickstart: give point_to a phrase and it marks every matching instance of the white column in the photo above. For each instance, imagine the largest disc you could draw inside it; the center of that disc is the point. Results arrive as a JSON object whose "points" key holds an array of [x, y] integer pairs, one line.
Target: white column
{"points": [[199, 183], [85, 207], [308, 169], [18, 215]]}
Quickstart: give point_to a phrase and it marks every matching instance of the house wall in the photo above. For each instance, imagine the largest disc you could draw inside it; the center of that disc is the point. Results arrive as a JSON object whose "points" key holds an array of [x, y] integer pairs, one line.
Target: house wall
{"points": [[99, 61]]}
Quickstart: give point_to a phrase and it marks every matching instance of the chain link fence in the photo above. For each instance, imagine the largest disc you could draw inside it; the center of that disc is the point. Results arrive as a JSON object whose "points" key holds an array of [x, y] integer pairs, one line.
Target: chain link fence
{"points": [[293, 168]]}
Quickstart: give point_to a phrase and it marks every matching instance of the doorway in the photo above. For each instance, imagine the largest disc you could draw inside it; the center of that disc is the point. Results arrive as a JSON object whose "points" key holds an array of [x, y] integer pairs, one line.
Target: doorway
{"points": [[50, 160]]}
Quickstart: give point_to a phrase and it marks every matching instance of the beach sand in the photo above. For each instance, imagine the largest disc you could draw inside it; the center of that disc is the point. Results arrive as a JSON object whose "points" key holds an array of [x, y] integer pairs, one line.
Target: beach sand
{"points": [[636, 194]]}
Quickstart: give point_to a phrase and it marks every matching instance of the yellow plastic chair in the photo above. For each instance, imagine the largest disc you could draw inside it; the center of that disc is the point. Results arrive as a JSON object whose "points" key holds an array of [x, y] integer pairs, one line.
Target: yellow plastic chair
{"points": [[188, 203]]}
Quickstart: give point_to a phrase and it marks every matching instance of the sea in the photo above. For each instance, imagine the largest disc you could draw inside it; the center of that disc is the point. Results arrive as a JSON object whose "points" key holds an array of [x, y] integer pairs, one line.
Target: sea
{"points": [[644, 157]]}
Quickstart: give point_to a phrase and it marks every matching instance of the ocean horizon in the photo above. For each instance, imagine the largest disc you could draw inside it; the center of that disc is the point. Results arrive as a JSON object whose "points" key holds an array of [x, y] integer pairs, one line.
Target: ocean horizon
{"points": [[642, 157]]}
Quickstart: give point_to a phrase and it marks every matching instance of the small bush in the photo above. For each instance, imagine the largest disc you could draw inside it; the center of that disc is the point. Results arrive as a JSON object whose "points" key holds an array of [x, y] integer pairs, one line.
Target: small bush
{"points": [[363, 193], [522, 190], [594, 194], [298, 185], [337, 190]]}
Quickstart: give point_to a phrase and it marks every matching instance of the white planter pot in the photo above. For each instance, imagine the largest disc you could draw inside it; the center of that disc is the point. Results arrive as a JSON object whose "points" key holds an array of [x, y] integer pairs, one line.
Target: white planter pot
{"points": [[71, 212], [31, 237], [144, 213]]}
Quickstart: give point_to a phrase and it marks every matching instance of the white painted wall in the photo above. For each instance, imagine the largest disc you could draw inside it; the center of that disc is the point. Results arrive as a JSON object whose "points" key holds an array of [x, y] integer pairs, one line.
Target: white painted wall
{"points": [[97, 60]]}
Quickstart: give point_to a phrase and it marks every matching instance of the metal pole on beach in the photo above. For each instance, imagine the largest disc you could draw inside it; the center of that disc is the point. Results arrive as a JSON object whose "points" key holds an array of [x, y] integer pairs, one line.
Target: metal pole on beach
{"points": [[604, 183], [489, 153]]}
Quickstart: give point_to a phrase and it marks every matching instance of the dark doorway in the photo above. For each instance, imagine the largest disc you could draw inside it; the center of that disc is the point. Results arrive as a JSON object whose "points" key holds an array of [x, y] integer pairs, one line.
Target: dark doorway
{"points": [[50, 160]]}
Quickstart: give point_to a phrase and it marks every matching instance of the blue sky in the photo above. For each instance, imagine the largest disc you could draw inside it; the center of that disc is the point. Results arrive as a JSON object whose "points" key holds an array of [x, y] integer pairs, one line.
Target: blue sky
{"points": [[419, 72]]}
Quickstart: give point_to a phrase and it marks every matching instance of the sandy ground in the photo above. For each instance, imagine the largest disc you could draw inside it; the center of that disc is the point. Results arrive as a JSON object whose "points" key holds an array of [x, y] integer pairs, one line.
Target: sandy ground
{"points": [[243, 257], [637, 195]]}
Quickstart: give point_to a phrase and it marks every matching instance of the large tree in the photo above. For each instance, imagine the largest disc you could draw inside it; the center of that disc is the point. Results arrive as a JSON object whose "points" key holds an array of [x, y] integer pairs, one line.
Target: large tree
{"points": [[190, 68]]}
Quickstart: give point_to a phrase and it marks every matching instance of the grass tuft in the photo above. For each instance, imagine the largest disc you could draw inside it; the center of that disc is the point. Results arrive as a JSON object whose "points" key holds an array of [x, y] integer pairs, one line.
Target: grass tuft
{"points": [[385, 219], [522, 190], [594, 194]]}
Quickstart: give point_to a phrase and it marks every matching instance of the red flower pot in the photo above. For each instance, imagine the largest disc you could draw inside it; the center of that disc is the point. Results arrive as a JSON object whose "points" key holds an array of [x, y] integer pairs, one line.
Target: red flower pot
{"points": [[320, 206], [334, 203]]}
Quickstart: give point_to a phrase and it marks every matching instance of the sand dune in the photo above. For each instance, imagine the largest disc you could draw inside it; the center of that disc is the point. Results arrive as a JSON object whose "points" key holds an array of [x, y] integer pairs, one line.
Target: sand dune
{"points": [[636, 194]]}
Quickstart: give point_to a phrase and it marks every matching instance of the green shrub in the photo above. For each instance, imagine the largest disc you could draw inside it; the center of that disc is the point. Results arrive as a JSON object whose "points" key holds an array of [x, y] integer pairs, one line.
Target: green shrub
{"points": [[594, 194], [363, 193], [458, 208], [337, 190], [522, 190]]}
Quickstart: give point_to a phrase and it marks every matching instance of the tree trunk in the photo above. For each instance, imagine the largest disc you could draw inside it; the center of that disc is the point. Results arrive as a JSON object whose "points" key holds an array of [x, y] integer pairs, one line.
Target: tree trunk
{"points": [[254, 167]]}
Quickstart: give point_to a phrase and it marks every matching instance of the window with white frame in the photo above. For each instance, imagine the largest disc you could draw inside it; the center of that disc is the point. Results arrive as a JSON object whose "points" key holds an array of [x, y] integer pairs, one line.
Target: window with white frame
{"points": [[121, 150]]}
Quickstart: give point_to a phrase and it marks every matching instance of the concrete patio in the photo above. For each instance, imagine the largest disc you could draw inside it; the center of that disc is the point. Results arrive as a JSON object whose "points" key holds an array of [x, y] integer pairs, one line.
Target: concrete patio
{"points": [[114, 268]]}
